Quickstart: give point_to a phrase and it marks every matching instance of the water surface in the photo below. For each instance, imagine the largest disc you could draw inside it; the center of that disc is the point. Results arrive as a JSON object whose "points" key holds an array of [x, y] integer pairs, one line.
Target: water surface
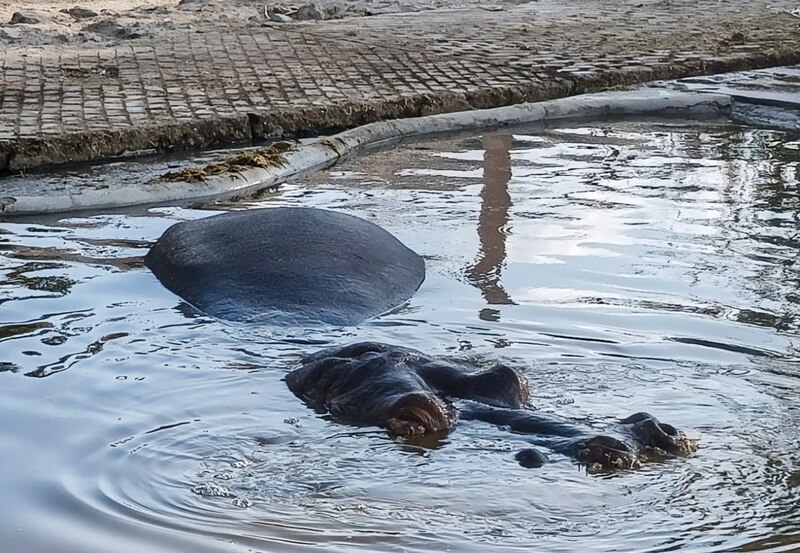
{"points": [[622, 267]]}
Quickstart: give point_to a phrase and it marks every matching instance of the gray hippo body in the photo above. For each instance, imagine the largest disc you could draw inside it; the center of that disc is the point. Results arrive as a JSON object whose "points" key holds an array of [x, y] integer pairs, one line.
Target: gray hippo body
{"points": [[399, 388], [410, 393], [311, 265]]}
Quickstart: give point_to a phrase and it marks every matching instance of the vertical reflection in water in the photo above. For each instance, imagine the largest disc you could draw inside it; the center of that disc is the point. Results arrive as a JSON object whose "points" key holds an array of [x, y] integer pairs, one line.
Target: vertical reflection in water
{"points": [[769, 216], [495, 205]]}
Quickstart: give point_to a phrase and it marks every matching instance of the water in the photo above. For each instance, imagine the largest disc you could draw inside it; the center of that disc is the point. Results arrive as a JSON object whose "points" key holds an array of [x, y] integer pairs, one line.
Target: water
{"points": [[624, 267]]}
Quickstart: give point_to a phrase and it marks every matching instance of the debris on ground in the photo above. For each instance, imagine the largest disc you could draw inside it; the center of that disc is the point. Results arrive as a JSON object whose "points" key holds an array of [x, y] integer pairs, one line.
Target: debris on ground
{"points": [[274, 156]]}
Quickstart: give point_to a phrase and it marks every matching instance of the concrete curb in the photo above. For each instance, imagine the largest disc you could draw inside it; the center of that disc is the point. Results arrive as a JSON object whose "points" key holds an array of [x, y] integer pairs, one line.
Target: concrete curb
{"points": [[26, 153], [326, 152]]}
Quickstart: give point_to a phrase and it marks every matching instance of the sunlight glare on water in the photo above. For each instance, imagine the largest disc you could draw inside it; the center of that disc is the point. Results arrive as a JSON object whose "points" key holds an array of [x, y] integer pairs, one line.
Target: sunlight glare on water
{"points": [[623, 267]]}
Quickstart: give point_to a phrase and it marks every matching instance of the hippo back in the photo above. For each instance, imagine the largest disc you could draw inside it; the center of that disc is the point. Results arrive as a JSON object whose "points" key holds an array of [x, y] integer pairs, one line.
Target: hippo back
{"points": [[309, 264]]}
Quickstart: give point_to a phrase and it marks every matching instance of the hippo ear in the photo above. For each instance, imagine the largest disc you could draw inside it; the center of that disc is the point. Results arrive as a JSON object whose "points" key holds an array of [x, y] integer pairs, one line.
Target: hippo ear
{"points": [[315, 382], [500, 385]]}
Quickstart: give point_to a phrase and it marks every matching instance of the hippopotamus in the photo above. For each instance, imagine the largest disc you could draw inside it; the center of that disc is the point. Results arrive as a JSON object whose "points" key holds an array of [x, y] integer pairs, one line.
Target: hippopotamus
{"points": [[310, 265], [399, 388], [410, 393]]}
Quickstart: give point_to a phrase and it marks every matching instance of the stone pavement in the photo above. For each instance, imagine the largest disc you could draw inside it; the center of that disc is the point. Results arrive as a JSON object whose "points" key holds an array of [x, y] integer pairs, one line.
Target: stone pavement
{"points": [[249, 80]]}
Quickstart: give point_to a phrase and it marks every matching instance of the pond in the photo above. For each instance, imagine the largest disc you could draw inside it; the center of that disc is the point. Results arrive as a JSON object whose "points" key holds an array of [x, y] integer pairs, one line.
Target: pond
{"points": [[624, 266]]}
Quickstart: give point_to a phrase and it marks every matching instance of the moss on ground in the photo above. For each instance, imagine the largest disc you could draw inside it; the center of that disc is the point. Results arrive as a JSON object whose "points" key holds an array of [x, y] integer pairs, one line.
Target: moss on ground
{"points": [[274, 156]]}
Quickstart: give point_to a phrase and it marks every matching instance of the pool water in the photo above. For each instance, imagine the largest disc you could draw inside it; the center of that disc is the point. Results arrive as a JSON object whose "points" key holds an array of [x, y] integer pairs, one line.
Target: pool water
{"points": [[624, 267]]}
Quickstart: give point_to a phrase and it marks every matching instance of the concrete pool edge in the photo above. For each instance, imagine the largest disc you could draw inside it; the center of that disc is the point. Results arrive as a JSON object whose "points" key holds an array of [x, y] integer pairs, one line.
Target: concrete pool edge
{"points": [[326, 152]]}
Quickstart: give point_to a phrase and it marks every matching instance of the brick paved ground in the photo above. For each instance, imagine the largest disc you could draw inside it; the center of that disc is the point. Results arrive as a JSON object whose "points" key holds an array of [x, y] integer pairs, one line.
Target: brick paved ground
{"points": [[244, 80]]}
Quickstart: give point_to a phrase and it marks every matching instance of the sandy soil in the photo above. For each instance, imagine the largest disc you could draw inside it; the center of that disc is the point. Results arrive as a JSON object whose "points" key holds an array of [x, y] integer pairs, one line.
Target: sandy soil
{"points": [[30, 22], [45, 22], [7, 7]]}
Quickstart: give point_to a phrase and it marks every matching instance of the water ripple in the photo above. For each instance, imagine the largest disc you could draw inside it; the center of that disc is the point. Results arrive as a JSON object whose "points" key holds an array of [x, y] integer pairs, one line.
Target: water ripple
{"points": [[623, 268]]}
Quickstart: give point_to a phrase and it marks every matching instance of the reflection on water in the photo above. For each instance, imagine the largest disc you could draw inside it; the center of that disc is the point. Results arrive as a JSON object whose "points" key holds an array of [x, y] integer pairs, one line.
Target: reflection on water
{"points": [[493, 224], [624, 267]]}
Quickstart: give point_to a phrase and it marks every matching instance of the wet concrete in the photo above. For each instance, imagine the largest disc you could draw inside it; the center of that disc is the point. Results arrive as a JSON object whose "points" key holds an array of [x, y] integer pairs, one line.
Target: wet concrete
{"points": [[767, 98]]}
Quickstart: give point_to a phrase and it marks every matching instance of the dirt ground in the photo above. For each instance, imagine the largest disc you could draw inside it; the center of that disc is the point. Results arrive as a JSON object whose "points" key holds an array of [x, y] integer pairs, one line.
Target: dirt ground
{"points": [[52, 22], [35, 22]]}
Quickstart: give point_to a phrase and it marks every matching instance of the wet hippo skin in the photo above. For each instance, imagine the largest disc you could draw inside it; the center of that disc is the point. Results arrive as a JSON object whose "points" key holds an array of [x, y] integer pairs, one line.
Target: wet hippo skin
{"points": [[410, 393], [637, 438], [310, 265], [398, 388]]}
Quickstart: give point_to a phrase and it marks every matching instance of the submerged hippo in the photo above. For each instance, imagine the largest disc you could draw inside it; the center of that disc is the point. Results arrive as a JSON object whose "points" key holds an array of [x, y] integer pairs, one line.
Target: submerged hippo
{"points": [[410, 393], [311, 265]]}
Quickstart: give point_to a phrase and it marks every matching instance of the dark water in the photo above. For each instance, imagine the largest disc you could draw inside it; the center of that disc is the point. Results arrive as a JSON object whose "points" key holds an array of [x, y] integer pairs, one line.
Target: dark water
{"points": [[624, 268]]}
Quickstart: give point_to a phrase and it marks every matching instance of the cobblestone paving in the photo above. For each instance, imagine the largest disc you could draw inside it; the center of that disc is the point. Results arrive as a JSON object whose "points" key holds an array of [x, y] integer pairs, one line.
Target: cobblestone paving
{"points": [[201, 87]]}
